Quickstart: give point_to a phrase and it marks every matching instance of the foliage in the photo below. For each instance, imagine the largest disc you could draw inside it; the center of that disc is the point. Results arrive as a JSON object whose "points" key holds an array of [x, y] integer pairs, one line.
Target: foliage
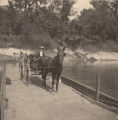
{"points": [[99, 24], [32, 18], [46, 22], [3, 21]]}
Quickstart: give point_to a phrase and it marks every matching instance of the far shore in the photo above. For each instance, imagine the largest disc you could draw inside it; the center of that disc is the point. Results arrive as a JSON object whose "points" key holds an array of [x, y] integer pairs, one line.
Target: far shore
{"points": [[98, 56], [104, 56]]}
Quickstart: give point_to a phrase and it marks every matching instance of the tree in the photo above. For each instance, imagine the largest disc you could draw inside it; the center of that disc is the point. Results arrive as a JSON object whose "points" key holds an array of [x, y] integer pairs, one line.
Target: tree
{"points": [[31, 18], [3, 20]]}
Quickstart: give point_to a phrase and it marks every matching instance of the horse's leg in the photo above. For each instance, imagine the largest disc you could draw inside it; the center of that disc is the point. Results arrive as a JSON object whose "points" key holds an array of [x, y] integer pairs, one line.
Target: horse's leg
{"points": [[57, 81], [44, 78]]}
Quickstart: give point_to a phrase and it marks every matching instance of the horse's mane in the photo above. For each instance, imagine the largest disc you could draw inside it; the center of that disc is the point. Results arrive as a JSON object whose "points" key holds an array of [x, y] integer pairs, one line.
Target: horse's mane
{"points": [[54, 61]]}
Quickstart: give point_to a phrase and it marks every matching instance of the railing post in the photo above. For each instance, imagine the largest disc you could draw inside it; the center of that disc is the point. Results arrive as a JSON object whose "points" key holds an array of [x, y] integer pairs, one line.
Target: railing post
{"points": [[98, 87], [3, 91]]}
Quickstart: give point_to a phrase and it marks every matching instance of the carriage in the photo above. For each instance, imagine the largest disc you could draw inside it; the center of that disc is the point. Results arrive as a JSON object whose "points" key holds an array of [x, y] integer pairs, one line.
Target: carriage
{"points": [[35, 65], [29, 67]]}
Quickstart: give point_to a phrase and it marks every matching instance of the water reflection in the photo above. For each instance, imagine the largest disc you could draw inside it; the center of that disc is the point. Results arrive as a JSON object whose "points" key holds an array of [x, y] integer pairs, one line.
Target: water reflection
{"points": [[86, 73]]}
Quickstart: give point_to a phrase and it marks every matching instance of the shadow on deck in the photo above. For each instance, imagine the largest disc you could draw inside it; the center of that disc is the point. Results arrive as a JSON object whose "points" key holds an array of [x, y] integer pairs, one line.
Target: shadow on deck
{"points": [[35, 80]]}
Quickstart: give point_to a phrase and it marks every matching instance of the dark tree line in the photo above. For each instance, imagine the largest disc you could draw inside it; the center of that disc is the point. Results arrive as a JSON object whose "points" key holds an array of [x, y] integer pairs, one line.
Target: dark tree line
{"points": [[36, 21], [98, 24], [46, 21]]}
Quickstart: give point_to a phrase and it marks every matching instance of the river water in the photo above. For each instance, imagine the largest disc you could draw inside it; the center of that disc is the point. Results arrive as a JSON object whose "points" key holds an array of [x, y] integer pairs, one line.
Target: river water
{"points": [[86, 73]]}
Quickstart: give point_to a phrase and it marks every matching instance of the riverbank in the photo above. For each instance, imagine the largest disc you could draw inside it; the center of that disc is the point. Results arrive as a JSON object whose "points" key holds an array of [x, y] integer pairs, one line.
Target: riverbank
{"points": [[105, 56], [99, 55]]}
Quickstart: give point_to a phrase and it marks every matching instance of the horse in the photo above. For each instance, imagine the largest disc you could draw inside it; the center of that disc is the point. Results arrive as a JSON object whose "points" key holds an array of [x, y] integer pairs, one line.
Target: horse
{"points": [[53, 66]]}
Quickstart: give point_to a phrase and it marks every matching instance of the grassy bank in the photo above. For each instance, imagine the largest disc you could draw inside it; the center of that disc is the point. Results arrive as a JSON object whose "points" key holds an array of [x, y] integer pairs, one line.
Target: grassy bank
{"points": [[102, 51], [108, 46]]}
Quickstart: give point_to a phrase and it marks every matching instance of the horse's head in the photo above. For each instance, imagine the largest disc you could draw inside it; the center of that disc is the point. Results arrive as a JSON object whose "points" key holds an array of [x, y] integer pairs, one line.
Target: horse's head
{"points": [[60, 55]]}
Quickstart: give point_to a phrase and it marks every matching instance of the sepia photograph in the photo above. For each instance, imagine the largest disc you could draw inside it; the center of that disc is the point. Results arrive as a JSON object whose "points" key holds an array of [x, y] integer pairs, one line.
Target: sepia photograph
{"points": [[58, 59]]}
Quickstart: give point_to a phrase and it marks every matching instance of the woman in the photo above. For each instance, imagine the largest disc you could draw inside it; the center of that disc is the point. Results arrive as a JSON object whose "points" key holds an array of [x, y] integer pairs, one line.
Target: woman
{"points": [[21, 60]]}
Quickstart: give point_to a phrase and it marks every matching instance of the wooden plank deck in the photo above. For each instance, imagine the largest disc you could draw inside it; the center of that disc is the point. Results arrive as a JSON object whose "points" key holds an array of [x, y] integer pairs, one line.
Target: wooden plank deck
{"points": [[35, 103]]}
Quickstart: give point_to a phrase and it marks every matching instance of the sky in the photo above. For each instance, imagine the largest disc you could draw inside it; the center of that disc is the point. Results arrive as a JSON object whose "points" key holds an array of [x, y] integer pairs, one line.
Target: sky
{"points": [[3, 2], [80, 4]]}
